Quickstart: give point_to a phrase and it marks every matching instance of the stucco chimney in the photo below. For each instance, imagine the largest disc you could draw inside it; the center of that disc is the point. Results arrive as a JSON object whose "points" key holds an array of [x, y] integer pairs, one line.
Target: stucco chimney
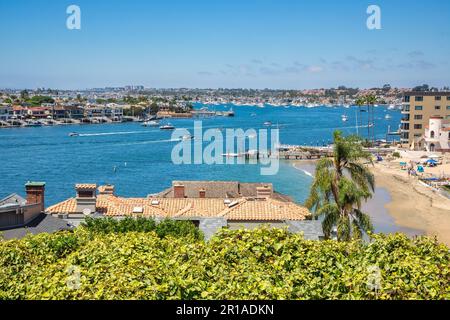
{"points": [[178, 191], [36, 193], [202, 193], [86, 198], [263, 192], [106, 190]]}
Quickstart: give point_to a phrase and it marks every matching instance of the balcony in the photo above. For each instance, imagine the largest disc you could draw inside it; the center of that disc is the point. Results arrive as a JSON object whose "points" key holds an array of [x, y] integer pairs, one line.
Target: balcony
{"points": [[405, 119]]}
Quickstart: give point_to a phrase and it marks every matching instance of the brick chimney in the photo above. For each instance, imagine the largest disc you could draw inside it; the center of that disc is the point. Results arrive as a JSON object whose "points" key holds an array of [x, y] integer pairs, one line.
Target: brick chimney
{"points": [[36, 193], [263, 192], [202, 193], [178, 191]]}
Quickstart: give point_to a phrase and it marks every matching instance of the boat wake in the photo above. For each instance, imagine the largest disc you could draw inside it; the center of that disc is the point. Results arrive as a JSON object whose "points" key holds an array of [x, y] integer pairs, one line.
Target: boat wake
{"points": [[110, 133], [309, 174]]}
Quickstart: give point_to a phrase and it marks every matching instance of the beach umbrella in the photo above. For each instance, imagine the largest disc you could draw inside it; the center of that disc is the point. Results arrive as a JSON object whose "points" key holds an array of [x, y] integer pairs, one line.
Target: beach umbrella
{"points": [[432, 161]]}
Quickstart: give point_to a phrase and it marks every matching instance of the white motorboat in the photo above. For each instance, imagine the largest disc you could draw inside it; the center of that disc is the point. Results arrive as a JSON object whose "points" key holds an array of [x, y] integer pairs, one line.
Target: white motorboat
{"points": [[187, 137], [268, 123], [151, 123], [344, 118], [231, 155], [74, 134], [167, 127]]}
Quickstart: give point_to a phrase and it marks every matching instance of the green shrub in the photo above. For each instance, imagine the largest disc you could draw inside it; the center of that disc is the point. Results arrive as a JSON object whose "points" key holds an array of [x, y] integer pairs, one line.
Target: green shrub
{"points": [[178, 229], [165, 228], [259, 264], [396, 154]]}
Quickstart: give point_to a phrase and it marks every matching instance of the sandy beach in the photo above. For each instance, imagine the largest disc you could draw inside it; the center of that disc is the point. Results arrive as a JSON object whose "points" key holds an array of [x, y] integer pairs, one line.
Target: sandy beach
{"points": [[414, 205], [411, 207]]}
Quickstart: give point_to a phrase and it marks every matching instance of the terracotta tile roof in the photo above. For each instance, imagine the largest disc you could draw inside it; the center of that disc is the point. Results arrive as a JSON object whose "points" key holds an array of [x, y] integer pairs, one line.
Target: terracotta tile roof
{"points": [[243, 208], [86, 186]]}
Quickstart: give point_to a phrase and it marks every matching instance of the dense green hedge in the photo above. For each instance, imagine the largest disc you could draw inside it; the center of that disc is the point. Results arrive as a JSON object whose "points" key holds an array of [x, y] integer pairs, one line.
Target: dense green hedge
{"points": [[165, 228], [259, 264]]}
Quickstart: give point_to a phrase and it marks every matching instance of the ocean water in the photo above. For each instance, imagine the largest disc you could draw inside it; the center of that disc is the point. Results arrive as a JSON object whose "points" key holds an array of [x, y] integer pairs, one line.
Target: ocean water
{"points": [[137, 160]]}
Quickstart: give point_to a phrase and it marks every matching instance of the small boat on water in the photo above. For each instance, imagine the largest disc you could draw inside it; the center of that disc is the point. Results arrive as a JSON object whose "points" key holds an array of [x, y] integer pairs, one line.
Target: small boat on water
{"points": [[231, 155], [229, 113], [33, 124], [167, 127], [344, 118], [388, 116], [74, 134], [187, 137], [151, 123], [268, 123]]}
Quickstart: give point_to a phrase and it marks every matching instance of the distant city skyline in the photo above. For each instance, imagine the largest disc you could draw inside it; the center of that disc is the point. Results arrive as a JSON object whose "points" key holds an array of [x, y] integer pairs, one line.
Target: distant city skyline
{"points": [[224, 44]]}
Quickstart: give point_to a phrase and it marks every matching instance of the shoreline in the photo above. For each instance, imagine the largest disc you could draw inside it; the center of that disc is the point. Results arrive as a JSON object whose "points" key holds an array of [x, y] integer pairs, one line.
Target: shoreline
{"points": [[414, 205], [413, 208]]}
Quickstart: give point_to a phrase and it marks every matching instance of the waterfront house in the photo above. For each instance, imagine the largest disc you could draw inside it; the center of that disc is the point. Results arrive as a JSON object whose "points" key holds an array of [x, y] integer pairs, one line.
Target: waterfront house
{"points": [[114, 112], [20, 216], [94, 111], [208, 213], [68, 112], [20, 112], [39, 112], [6, 112], [436, 137]]}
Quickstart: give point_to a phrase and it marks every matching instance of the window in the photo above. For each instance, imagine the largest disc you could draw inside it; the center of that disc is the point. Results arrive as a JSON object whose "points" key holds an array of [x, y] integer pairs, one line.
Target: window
{"points": [[406, 108], [437, 98], [448, 107], [418, 126], [419, 108], [432, 134], [448, 98], [437, 107], [417, 135], [418, 117], [407, 98], [419, 98]]}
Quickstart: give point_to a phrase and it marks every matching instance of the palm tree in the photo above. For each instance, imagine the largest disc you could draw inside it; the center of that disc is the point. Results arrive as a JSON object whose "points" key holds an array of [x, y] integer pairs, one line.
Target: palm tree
{"points": [[340, 185], [371, 100], [359, 102]]}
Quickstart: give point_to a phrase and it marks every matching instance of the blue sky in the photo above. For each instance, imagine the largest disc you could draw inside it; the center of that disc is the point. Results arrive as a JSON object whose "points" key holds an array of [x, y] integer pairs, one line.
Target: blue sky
{"points": [[224, 43]]}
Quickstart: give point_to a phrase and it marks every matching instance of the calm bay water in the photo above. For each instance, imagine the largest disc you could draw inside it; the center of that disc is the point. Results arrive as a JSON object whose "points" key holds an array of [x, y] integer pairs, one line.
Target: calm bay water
{"points": [[137, 160]]}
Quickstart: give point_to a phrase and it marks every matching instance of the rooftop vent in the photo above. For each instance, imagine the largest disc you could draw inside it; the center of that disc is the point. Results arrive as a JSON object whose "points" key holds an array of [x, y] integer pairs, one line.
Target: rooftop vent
{"points": [[227, 201], [138, 210], [155, 202]]}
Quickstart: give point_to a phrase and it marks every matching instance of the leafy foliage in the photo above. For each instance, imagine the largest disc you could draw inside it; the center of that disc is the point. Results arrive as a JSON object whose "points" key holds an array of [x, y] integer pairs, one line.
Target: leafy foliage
{"points": [[339, 186], [258, 264], [163, 229]]}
